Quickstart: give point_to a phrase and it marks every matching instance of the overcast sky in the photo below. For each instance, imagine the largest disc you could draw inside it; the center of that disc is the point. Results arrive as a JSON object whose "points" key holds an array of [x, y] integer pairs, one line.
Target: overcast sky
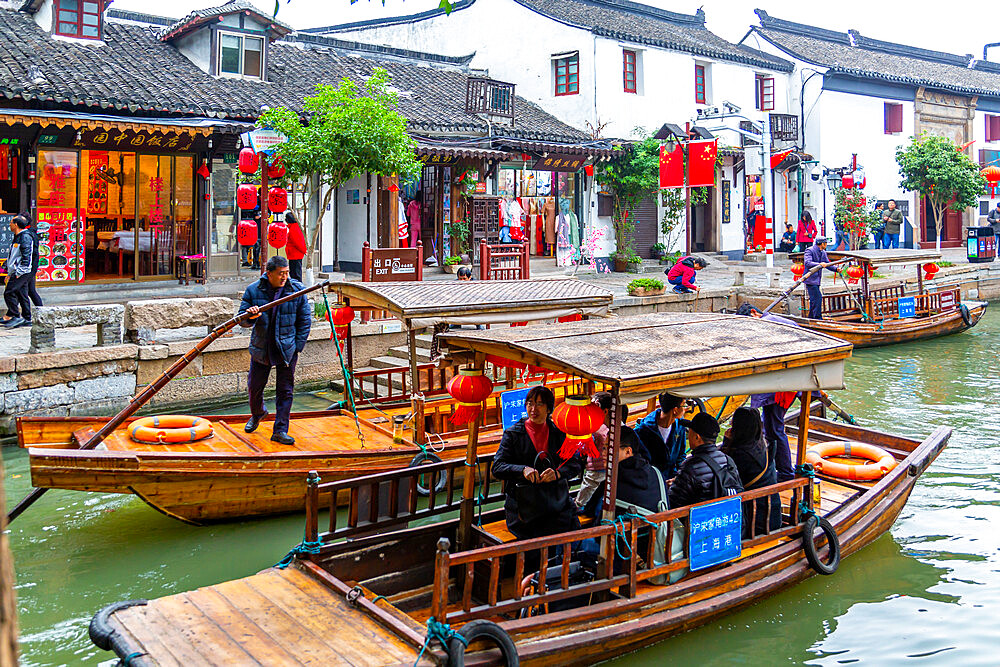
{"points": [[963, 27]]}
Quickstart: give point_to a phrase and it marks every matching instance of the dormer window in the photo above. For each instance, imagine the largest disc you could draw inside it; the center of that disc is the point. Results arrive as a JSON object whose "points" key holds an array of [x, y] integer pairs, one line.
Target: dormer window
{"points": [[241, 55], [78, 18]]}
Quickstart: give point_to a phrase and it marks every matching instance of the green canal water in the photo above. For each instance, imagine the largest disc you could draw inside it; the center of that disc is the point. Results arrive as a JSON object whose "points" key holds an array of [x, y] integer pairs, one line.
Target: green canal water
{"points": [[928, 593]]}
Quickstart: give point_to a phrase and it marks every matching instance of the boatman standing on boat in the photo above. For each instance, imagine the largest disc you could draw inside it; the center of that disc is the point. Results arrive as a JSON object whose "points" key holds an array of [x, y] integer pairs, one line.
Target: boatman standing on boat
{"points": [[816, 256], [277, 338]]}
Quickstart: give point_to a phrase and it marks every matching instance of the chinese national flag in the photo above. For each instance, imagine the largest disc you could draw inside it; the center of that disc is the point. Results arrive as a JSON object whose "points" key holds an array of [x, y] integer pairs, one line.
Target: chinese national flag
{"points": [[672, 167], [777, 158], [701, 163]]}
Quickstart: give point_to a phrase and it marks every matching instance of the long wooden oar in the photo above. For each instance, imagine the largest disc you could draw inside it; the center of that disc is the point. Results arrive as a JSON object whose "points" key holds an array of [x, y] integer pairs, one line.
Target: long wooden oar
{"points": [[818, 267], [840, 412], [160, 382]]}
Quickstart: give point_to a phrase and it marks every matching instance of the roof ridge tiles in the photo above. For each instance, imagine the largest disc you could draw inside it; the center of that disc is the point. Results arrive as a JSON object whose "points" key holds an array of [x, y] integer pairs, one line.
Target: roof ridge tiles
{"points": [[771, 23], [139, 17], [378, 49], [457, 5], [894, 48], [696, 19]]}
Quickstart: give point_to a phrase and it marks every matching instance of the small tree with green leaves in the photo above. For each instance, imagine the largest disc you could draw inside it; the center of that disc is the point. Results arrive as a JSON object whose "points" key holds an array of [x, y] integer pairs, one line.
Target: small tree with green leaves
{"points": [[633, 175], [938, 170], [347, 130]]}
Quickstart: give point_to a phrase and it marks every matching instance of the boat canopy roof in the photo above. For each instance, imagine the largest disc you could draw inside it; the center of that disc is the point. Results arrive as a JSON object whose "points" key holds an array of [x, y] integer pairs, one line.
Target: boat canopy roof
{"points": [[690, 354], [426, 303], [890, 256]]}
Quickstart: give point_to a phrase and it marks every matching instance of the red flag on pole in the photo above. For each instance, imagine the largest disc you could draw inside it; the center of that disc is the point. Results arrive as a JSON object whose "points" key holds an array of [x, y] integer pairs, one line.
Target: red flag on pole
{"points": [[672, 167], [778, 157], [701, 163]]}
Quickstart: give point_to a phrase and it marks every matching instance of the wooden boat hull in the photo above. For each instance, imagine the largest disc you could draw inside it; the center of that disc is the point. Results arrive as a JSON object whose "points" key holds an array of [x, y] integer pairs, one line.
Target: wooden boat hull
{"points": [[215, 481], [583, 635], [864, 334]]}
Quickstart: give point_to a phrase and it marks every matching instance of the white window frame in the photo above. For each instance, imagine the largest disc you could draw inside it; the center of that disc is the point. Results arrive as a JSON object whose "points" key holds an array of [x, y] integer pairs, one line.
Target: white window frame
{"points": [[242, 37]]}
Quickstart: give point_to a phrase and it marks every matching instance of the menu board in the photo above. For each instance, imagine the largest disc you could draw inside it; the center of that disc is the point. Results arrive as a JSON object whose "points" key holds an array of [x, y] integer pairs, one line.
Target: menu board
{"points": [[61, 247], [97, 187], [6, 238]]}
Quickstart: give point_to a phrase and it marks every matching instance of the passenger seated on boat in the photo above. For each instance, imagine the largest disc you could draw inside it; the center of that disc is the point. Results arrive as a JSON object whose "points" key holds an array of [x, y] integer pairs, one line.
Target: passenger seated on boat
{"points": [[638, 483], [744, 444], [708, 473], [662, 439], [595, 473], [529, 440]]}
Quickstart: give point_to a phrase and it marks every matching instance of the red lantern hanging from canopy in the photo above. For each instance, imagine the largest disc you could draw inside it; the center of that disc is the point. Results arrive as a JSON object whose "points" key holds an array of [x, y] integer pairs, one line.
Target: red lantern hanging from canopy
{"points": [[798, 268], [277, 200], [246, 196], [203, 170], [277, 234], [342, 315], [854, 273], [276, 169], [248, 161], [469, 388], [992, 176], [930, 270], [246, 232], [579, 418]]}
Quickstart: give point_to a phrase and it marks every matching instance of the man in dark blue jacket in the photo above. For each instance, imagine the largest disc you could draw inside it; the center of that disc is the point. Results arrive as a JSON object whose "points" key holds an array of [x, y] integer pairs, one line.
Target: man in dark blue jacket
{"points": [[816, 256], [663, 440], [277, 338]]}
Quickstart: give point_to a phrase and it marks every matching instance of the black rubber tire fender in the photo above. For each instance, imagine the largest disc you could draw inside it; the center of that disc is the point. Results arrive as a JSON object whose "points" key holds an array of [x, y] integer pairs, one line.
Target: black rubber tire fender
{"points": [[809, 545], [107, 638], [482, 629], [428, 457], [966, 316]]}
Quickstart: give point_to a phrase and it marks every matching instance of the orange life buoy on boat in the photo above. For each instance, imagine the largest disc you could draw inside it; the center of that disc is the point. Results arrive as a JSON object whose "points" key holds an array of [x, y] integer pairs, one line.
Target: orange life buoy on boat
{"points": [[170, 428], [881, 461]]}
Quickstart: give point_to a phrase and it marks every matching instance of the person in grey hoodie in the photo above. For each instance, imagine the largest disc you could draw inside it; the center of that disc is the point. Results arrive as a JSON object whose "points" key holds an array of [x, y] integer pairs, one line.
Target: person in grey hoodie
{"points": [[19, 273]]}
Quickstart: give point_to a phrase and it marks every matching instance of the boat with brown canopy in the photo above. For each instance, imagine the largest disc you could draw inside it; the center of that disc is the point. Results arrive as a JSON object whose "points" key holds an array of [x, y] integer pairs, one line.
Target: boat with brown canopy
{"points": [[234, 474], [868, 317], [378, 586]]}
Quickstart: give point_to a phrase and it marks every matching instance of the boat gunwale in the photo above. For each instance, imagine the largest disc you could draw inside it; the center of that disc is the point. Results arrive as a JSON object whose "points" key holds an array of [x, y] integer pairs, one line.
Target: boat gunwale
{"points": [[874, 329]]}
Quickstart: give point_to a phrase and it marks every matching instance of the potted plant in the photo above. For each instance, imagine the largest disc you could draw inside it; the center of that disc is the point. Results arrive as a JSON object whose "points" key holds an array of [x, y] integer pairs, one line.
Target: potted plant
{"points": [[458, 231], [451, 264], [645, 287], [626, 260], [657, 250]]}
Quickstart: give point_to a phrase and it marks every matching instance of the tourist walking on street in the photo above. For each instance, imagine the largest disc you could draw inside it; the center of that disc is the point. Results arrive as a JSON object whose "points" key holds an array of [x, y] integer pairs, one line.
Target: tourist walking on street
{"points": [[36, 299], [413, 212], [278, 336], [816, 256], [893, 219], [994, 219], [296, 248], [806, 232], [19, 274], [878, 226]]}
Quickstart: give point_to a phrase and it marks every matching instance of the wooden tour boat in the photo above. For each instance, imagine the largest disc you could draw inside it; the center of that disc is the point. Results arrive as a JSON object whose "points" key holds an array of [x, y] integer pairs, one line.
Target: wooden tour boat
{"points": [[367, 588], [234, 475], [871, 317]]}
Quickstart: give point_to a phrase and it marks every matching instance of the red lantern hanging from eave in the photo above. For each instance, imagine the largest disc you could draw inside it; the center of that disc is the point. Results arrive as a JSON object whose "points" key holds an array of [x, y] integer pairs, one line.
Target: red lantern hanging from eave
{"points": [[930, 270], [246, 232], [203, 170], [246, 196], [469, 388], [276, 169], [248, 161], [854, 273], [277, 234], [798, 268], [277, 200], [579, 418], [342, 315]]}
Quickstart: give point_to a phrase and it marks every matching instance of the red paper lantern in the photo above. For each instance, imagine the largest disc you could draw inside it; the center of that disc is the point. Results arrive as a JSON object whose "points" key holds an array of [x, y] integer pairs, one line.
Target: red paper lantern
{"points": [[277, 200], [342, 315], [248, 161], [469, 388], [277, 234], [579, 418], [276, 169], [930, 270], [246, 196], [854, 273], [798, 268], [203, 170], [246, 232], [992, 176]]}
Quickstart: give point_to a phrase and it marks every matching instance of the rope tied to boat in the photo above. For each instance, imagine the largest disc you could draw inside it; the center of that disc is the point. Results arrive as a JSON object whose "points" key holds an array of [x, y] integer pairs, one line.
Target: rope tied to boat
{"points": [[806, 470], [303, 548], [441, 633], [127, 660], [620, 524], [723, 408]]}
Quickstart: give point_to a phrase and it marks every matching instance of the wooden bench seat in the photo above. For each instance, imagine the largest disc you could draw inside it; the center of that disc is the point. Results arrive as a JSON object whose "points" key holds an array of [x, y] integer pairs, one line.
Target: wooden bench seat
{"points": [[497, 532]]}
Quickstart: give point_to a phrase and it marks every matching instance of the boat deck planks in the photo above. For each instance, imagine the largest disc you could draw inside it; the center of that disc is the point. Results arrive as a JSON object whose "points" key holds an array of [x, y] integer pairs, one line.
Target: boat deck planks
{"points": [[275, 617]]}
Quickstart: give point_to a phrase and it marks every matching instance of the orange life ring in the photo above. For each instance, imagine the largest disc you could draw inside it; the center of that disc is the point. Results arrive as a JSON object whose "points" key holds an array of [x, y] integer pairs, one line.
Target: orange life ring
{"points": [[882, 461], [170, 428]]}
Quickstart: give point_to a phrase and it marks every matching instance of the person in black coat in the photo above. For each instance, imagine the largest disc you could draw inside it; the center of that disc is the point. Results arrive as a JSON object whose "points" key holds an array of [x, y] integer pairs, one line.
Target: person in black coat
{"points": [[696, 481], [635, 475], [529, 440], [744, 444]]}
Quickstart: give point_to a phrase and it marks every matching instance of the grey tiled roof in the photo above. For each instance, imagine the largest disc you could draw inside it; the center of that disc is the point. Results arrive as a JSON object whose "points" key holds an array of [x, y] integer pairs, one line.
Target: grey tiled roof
{"points": [[134, 72], [199, 16], [623, 19], [853, 54]]}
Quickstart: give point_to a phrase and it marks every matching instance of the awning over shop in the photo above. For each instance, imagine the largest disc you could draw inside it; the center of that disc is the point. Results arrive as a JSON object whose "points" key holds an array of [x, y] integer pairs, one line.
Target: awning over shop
{"points": [[60, 119], [592, 150], [452, 152]]}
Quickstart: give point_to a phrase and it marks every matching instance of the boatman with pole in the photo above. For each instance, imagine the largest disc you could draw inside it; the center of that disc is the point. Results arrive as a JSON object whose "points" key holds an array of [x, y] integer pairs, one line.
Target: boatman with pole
{"points": [[277, 338], [816, 256]]}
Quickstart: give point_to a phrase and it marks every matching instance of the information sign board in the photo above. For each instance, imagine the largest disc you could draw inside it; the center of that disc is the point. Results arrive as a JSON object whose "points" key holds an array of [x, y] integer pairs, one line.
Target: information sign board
{"points": [[512, 406], [908, 306], [716, 529]]}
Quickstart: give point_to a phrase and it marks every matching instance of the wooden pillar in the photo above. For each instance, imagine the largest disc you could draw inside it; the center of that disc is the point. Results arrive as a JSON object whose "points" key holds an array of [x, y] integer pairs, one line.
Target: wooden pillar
{"points": [[263, 210], [414, 380], [920, 279], [611, 485], [312, 506], [865, 293], [8, 602]]}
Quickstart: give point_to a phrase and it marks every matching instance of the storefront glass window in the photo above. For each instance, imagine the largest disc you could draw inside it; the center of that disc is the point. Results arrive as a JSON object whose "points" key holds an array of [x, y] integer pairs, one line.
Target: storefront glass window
{"points": [[186, 243], [225, 217], [60, 250], [108, 198], [154, 250]]}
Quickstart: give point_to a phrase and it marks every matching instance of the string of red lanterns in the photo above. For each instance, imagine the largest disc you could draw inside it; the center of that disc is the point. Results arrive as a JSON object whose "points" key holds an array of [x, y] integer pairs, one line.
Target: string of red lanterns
{"points": [[579, 418], [469, 389]]}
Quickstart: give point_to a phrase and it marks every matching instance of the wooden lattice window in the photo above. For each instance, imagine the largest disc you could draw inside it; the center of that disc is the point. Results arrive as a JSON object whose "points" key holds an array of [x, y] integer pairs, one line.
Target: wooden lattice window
{"points": [[764, 92], [629, 73]]}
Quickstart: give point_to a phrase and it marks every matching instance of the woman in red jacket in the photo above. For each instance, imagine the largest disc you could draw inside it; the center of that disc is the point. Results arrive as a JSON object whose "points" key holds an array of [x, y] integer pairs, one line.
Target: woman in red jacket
{"points": [[806, 232], [296, 248]]}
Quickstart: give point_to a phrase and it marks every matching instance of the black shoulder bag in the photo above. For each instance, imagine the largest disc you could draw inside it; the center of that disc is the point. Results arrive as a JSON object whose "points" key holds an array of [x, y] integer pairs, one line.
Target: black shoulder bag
{"points": [[544, 499]]}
